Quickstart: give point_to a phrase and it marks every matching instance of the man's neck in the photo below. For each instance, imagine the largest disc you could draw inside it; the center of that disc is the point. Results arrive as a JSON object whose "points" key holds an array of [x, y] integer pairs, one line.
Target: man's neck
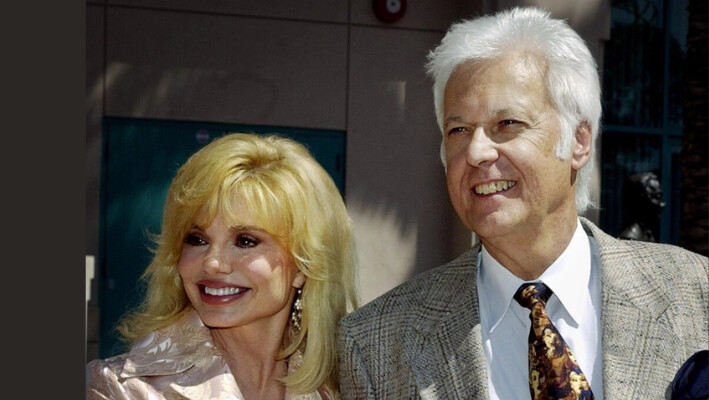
{"points": [[528, 257]]}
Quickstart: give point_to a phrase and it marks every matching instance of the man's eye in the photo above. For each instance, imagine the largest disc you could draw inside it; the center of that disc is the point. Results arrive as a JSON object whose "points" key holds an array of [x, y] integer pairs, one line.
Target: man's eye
{"points": [[246, 241], [456, 130], [194, 239], [508, 126]]}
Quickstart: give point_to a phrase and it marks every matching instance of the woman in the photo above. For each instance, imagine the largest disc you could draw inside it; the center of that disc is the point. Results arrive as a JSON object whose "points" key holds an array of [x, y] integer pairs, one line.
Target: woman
{"points": [[252, 271]]}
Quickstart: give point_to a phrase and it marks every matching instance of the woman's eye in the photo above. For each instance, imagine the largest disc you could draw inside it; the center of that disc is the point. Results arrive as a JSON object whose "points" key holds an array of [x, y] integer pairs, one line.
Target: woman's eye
{"points": [[246, 241], [194, 239]]}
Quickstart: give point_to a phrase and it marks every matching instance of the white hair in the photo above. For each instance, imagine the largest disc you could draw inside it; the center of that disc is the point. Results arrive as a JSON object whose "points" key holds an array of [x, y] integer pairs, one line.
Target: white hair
{"points": [[571, 77]]}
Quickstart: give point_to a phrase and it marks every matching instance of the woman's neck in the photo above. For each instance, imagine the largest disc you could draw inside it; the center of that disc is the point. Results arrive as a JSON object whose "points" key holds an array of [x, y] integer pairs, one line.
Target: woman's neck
{"points": [[251, 356]]}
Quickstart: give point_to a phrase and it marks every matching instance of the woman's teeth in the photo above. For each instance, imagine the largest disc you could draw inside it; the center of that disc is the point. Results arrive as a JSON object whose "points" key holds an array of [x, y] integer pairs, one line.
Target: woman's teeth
{"points": [[222, 291]]}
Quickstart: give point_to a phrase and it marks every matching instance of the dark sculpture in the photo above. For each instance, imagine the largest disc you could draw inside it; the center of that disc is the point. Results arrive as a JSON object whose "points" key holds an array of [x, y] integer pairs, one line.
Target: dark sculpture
{"points": [[642, 206]]}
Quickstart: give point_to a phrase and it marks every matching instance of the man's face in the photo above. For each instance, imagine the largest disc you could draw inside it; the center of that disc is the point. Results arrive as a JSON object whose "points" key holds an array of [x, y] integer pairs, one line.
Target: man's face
{"points": [[653, 195], [500, 132]]}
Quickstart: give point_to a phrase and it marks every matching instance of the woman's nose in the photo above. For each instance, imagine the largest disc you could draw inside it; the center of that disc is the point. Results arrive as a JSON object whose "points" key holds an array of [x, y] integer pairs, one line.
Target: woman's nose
{"points": [[215, 263]]}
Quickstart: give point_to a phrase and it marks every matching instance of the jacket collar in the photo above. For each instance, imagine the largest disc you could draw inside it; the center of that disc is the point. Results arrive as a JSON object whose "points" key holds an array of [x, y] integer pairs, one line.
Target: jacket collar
{"points": [[172, 349], [635, 333], [186, 347]]}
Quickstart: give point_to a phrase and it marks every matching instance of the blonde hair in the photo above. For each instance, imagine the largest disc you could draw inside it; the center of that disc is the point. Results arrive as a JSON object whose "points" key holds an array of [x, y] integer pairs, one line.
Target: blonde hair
{"points": [[296, 201]]}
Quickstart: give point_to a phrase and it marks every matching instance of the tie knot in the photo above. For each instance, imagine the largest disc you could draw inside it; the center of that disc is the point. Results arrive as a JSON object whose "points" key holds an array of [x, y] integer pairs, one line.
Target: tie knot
{"points": [[529, 294]]}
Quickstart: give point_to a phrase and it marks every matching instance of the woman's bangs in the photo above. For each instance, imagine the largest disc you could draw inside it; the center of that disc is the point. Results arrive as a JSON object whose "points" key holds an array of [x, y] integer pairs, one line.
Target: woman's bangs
{"points": [[265, 209]]}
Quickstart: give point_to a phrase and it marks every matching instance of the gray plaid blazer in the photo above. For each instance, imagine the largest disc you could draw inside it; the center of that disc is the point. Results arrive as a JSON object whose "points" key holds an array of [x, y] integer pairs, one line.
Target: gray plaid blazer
{"points": [[422, 339]]}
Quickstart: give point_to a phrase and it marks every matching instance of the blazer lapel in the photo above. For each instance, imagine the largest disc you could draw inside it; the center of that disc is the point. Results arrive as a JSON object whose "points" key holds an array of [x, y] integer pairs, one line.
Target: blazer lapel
{"points": [[638, 353], [447, 358]]}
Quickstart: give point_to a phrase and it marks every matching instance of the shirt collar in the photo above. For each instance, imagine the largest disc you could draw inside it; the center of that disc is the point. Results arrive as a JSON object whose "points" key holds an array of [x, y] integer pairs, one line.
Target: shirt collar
{"points": [[567, 276]]}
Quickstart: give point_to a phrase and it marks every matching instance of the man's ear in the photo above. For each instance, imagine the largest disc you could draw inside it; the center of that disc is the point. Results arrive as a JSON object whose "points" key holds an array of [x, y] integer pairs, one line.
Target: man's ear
{"points": [[581, 146], [299, 280]]}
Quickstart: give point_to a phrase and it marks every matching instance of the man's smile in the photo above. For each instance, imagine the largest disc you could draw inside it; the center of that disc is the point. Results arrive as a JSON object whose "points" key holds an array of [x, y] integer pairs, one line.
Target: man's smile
{"points": [[494, 187]]}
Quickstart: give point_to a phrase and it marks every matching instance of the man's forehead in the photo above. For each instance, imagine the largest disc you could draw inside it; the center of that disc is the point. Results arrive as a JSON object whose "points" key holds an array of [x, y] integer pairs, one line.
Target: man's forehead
{"points": [[526, 62]]}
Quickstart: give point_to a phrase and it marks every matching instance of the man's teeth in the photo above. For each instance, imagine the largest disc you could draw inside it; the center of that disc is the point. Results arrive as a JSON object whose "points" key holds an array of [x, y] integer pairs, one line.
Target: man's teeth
{"points": [[222, 291], [493, 187]]}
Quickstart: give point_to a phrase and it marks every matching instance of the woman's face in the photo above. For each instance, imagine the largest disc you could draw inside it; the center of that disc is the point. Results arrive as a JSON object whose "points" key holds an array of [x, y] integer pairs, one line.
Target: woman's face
{"points": [[575, 380], [236, 276], [548, 337]]}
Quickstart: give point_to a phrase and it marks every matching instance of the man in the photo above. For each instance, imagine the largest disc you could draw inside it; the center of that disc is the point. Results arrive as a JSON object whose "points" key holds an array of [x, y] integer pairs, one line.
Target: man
{"points": [[642, 198], [517, 100]]}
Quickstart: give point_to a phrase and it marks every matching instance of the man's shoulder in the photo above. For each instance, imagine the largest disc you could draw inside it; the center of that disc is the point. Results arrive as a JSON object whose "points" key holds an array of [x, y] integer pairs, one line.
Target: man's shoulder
{"points": [[420, 290], [647, 255], [636, 246], [676, 263], [670, 251]]}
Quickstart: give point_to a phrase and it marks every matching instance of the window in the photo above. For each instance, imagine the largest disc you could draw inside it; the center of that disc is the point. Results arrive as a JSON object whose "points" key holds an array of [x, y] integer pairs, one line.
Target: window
{"points": [[642, 105]]}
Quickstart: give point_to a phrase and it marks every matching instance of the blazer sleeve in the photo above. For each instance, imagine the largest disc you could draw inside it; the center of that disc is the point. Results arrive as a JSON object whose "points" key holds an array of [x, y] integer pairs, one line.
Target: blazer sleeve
{"points": [[355, 382]]}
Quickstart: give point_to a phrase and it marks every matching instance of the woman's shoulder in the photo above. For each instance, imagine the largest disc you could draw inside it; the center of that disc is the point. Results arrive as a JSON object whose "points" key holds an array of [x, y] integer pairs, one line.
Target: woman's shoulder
{"points": [[106, 367], [166, 352], [169, 350], [103, 378]]}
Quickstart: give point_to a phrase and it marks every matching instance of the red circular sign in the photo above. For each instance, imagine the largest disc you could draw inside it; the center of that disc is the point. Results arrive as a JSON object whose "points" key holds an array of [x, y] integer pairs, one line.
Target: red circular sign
{"points": [[389, 10]]}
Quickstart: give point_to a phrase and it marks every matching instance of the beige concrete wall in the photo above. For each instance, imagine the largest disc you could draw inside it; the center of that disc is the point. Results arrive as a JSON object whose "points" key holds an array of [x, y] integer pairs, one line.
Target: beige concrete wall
{"points": [[313, 64]]}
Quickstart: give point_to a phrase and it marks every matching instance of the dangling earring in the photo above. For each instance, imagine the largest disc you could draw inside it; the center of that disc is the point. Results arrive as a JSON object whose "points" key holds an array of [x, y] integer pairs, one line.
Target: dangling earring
{"points": [[297, 312]]}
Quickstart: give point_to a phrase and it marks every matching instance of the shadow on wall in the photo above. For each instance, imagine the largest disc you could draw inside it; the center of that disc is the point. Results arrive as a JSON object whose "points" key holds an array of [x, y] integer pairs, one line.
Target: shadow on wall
{"points": [[390, 259], [397, 246]]}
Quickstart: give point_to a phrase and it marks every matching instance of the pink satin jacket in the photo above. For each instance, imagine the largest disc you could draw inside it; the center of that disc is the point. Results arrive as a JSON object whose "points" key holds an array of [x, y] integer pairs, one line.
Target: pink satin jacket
{"points": [[176, 362]]}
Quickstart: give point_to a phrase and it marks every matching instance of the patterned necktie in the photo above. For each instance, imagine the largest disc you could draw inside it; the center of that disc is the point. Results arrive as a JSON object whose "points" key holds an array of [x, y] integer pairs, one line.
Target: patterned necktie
{"points": [[553, 370]]}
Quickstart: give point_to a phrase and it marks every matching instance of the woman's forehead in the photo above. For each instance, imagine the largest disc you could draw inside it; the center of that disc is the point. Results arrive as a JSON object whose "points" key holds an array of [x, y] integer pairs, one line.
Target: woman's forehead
{"points": [[254, 214]]}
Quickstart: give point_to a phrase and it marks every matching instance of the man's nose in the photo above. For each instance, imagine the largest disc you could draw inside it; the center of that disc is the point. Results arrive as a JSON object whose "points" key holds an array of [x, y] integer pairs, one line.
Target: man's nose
{"points": [[481, 149]]}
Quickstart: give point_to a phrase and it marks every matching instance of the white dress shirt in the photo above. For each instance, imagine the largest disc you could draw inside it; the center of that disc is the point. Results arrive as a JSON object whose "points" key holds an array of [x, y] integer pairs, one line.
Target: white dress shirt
{"points": [[574, 308]]}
